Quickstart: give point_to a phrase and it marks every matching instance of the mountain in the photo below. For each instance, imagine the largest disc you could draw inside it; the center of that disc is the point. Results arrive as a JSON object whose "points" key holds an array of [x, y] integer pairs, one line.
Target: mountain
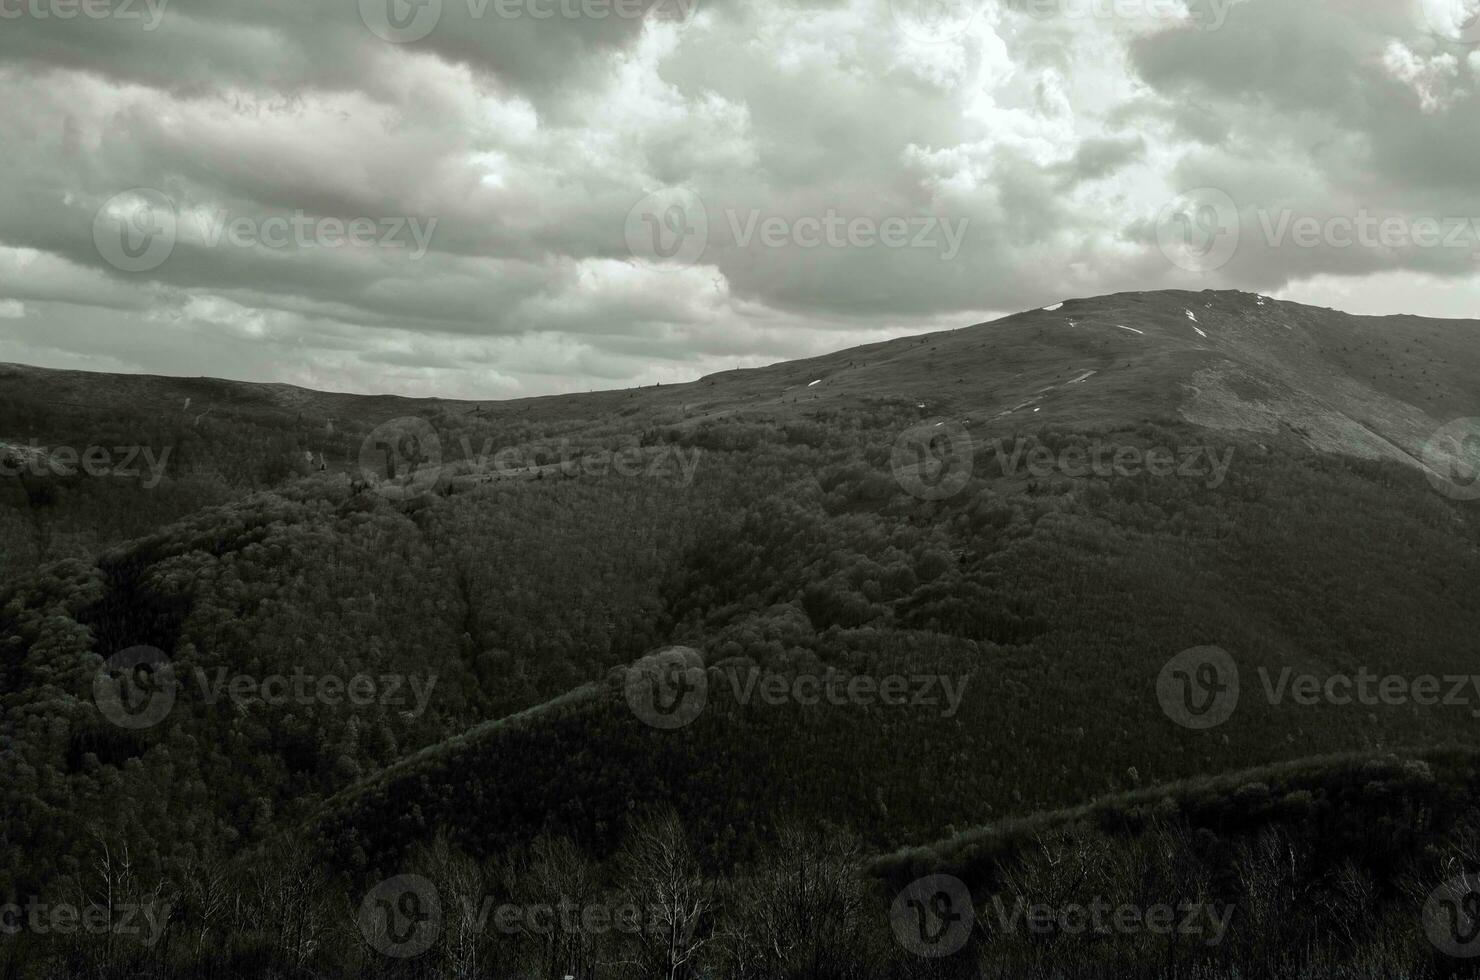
{"points": [[1229, 361], [939, 589]]}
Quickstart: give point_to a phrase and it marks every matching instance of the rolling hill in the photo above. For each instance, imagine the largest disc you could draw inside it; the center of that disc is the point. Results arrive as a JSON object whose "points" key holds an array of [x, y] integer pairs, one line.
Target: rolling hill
{"points": [[787, 525]]}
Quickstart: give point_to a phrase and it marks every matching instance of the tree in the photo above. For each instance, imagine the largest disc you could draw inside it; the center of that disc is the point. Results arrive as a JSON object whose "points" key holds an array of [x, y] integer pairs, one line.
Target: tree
{"points": [[662, 877]]}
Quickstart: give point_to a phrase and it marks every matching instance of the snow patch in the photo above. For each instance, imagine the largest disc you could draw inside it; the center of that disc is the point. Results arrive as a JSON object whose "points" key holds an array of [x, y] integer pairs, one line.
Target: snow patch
{"points": [[1056, 306], [818, 381], [1191, 315], [1131, 329]]}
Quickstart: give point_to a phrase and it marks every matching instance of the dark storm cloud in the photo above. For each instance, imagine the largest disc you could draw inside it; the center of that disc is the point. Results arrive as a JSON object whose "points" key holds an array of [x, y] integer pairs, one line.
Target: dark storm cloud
{"points": [[862, 173]]}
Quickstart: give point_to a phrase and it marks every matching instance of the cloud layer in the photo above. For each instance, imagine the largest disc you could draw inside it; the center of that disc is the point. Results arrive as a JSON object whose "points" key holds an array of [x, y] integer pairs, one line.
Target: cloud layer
{"points": [[493, 198]]}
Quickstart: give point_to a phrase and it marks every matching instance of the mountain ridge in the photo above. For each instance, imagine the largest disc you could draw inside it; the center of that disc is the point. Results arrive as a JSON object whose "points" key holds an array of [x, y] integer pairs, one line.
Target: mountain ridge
{"points": [[1225, 360]]}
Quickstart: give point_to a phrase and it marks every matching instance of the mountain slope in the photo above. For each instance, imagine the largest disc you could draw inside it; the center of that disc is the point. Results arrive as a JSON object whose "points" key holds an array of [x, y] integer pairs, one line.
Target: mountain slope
{"points": [[1370, 386], [796, 550]]}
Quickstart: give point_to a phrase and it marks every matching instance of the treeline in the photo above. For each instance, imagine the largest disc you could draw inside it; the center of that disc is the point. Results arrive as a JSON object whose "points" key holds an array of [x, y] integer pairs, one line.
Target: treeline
{"points": [[1326, 869]]}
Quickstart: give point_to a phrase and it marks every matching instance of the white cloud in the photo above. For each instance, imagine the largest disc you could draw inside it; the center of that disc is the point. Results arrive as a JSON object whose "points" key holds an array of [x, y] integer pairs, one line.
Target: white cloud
{"points": [[1055, 140]]}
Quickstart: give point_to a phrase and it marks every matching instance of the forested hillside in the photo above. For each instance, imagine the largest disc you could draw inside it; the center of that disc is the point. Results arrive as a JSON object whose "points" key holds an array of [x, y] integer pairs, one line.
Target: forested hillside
{"points": [[1027, 613]]}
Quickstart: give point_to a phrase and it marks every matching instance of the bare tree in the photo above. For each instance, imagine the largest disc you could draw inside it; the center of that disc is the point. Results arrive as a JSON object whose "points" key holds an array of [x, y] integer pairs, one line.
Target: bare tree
{"points": [[459, 885], [662, 876], [802, 912]]}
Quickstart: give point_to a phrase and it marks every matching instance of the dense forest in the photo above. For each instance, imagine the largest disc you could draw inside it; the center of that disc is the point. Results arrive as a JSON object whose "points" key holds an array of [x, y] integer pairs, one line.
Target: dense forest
{"points": [[497, 617]]}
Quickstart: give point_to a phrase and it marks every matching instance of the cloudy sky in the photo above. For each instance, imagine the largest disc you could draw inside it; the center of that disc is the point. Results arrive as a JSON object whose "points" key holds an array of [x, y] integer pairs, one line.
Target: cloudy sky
{"points": [[495, 198]]}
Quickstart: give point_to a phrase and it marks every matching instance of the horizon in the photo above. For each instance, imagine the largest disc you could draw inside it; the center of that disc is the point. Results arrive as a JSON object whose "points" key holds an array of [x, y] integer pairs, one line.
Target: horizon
{"points": [[495, 200], [557, 394]]}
